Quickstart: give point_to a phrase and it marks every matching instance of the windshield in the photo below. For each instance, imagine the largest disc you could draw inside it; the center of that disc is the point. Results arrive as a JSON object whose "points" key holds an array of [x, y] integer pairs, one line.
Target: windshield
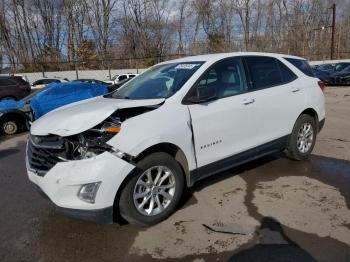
{"points": [[161, 81]]}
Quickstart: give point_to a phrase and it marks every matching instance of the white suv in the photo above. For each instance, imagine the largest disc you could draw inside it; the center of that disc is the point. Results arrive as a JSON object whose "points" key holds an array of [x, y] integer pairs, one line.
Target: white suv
{"points": [[135, 150]]}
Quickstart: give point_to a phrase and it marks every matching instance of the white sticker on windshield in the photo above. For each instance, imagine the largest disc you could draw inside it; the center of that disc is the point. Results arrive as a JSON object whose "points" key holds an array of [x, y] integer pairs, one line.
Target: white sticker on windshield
{"points": [[186, 66]]}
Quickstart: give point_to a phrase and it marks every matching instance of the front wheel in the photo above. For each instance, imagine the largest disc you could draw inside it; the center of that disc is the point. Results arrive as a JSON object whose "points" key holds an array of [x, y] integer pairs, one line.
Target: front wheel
{"points": [[9, 127], [302, 140], [154, 190]]}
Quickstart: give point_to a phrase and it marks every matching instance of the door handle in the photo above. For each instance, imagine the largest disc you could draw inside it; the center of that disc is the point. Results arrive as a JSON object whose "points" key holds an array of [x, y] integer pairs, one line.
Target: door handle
{"points": [[248, 101], [295, 89]]}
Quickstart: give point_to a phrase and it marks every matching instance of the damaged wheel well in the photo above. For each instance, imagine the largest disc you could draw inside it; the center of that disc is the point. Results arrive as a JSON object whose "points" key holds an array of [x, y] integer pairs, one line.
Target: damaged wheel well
{"points": [[170, 149]]}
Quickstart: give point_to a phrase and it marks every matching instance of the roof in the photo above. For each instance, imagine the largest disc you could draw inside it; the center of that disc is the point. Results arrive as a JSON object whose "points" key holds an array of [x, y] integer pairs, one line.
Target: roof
{"points": [[218, 56]]}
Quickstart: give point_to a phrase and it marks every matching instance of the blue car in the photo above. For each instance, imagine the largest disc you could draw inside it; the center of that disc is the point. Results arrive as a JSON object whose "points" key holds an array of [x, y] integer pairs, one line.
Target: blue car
{"points": [[16, 115]]}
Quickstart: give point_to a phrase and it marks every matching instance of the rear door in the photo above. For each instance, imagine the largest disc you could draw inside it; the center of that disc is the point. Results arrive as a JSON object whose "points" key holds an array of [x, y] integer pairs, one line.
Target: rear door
{"points": [[278, 96], [225, 126]]}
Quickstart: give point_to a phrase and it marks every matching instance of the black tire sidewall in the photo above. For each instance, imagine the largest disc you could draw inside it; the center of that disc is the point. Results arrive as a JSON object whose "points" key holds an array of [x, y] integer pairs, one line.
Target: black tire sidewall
{"points": [[126, 203], [3, 126], [293, 144]]}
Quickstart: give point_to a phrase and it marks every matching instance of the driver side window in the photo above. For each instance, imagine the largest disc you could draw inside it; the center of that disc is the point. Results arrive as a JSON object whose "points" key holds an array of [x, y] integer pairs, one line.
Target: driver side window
{"points": [[225, 78]]}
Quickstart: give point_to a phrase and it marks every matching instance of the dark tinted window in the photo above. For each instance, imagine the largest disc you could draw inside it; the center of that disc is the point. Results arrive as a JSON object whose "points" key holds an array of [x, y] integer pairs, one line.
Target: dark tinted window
{"points": [[38, 82], [286, 74], [302, 65], [226, 77], [48, 81], [19, 80], [264, 71], [339, 67], [6, 82], [122, 77]]}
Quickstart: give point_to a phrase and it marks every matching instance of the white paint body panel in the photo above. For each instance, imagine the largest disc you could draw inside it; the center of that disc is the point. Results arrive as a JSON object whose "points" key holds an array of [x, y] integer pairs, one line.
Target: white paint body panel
{"points": [[62, 183], [83, 115], [239, 127]]}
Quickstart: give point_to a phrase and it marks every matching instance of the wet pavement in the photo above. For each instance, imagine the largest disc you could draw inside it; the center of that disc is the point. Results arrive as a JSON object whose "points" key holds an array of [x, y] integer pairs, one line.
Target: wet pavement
{"points": [[32, 231], [290, 211]]}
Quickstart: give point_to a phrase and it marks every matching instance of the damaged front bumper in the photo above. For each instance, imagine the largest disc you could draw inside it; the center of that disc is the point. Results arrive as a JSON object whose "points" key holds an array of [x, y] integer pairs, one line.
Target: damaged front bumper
{"points": [[63, 181]]}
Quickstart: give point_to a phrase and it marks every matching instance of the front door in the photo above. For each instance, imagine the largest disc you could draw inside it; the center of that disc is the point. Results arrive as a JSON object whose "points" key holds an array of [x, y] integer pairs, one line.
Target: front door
{"points": [[226, 125]]}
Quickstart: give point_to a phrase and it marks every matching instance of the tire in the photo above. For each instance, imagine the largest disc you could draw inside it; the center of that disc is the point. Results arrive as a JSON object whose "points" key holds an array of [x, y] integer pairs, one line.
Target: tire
{"points": [[301, 142], [138, 186], [9, 127]]}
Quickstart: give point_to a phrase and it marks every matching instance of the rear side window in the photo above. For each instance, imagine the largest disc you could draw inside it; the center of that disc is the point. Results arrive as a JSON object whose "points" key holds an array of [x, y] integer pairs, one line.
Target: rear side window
{"points": [[302, 65], [286, 74], [7, 82], [264, 71], [19, 80]]}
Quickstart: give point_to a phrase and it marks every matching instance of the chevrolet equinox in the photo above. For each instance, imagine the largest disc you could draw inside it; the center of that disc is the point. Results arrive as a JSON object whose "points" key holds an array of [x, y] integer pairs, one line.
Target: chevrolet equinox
{"points": [[133, 151]]}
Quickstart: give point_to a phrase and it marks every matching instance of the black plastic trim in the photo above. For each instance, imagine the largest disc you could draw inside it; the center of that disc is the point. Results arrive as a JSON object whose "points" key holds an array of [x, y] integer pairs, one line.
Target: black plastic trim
{"points": [[321, 124], [213, 168]]}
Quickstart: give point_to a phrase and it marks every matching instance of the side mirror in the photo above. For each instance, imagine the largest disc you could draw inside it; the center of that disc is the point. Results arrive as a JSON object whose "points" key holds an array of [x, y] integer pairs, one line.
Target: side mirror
{"points": [[203, 94]]}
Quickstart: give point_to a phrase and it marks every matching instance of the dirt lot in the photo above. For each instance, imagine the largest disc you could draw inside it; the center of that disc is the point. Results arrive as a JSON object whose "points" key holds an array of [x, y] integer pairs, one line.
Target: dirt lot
{"points": [[282, 210]]}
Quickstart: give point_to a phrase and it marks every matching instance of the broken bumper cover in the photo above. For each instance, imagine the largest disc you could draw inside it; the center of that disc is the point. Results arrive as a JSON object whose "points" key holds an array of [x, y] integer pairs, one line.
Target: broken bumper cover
{"points": [[62, 183]]}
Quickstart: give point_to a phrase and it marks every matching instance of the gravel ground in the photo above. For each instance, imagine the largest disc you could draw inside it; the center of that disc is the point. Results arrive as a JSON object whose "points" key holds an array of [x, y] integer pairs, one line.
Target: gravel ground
{"points": [[275, 210]]}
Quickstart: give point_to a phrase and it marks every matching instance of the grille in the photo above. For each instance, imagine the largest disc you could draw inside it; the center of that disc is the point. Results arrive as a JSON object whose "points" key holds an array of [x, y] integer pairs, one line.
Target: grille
{"points": [[43, 153]]}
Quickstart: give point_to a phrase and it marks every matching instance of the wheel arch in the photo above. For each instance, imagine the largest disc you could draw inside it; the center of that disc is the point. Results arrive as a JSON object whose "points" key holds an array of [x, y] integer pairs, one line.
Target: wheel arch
{"points": [[12, 115], [171, 149], [168, 148], [311, 112]]}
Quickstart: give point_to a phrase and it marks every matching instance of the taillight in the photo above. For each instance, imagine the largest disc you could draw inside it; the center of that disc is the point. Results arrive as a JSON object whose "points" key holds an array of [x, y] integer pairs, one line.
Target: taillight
{"points": [[321, 85]]}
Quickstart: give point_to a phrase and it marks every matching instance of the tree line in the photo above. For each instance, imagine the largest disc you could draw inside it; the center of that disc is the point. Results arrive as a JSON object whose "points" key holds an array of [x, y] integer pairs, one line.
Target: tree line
{"points": [[96, 34]]}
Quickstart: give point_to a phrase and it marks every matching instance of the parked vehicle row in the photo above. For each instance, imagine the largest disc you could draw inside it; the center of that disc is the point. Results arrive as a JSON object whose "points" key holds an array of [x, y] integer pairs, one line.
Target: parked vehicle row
{"points": [[134, 151], [333, 74], [16, 116], [119, 78]]}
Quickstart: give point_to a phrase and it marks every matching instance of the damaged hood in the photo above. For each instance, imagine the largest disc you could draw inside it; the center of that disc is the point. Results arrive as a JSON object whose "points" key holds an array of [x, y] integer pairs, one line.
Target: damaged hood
{"points": [[83, 115]]}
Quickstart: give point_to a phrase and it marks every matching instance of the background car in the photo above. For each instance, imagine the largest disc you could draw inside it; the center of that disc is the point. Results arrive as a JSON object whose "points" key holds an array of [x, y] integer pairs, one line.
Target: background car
{"points": [[322, 75], [40, 83], [88, 80], [16, 115], [118, 78], [325, 67], [13, 87], [340, 78], [118, 85]]}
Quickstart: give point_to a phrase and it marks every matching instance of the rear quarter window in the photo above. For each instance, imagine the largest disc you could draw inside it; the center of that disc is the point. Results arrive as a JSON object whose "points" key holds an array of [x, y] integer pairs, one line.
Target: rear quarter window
{"points": [[6, 82], [302, 65]]}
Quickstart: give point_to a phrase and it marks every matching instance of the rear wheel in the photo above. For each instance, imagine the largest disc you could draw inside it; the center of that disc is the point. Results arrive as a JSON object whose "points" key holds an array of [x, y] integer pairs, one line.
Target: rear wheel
{"points": [[153, 192], [302, 140]]}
